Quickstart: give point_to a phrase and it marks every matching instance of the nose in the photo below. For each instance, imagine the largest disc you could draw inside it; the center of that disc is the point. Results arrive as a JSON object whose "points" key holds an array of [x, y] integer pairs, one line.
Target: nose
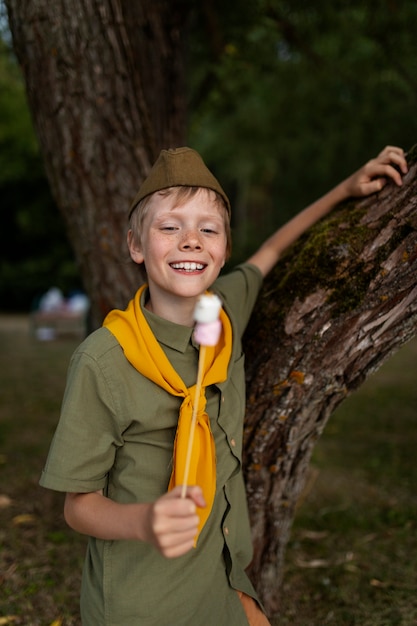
{"points": [[191, 240]]}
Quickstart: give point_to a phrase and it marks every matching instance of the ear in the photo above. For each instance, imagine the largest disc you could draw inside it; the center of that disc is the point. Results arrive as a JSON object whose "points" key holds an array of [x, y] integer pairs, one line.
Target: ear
{"points": [[226, 257], [135, 249], [223, 262]]}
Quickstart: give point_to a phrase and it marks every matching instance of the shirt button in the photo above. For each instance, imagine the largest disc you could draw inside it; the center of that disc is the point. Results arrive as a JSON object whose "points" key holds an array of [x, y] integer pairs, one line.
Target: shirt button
{"points": [[233, 443], [226, 530], [222, 398]]}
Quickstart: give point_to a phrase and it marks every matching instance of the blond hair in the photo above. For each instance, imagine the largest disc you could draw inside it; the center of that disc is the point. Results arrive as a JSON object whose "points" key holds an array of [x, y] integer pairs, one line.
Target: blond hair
{"points": [[180, 195]]}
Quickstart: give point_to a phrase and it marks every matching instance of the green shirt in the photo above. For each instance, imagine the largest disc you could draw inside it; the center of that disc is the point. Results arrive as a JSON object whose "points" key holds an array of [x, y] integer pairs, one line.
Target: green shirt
{"points": [[116, 433]]}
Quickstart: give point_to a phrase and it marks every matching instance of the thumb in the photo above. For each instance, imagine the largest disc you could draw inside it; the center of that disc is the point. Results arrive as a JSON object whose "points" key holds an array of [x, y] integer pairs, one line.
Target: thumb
{"points": [[195, 493], [373, 186]]}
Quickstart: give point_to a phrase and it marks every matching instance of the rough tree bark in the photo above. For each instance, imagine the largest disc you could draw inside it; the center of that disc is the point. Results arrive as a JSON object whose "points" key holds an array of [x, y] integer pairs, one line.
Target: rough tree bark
{"points": [[105, 85], [335, 308]]}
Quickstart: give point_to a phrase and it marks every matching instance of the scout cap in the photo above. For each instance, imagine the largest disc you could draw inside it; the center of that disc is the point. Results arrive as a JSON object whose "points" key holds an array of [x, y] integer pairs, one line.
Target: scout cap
{"points": [[178, 167]]}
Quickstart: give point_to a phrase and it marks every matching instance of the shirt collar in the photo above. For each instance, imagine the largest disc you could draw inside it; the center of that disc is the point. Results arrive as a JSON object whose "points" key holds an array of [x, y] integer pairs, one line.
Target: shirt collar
{"points": [[168, 333]]}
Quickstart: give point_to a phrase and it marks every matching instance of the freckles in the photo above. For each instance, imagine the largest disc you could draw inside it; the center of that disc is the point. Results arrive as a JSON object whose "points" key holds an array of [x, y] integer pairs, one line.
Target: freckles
{"points": [[156, 238]]}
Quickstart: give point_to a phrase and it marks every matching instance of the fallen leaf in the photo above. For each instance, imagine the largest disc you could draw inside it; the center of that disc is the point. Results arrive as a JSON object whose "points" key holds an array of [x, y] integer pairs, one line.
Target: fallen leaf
{"points": [[57, 622], [8, 619], [25, 518]]}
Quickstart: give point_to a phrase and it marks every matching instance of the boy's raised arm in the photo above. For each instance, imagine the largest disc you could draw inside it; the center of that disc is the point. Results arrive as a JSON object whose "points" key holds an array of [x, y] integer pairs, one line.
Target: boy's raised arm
{"points": [[372, 177]]}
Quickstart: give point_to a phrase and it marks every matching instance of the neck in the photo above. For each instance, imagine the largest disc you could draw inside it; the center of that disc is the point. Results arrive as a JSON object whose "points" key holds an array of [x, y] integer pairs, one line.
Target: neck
{"points": [[179, 312]]}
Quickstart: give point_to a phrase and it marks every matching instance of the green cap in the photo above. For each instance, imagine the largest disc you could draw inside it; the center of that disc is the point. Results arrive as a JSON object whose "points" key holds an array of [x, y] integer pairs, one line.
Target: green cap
{"points": [[178, 167]]}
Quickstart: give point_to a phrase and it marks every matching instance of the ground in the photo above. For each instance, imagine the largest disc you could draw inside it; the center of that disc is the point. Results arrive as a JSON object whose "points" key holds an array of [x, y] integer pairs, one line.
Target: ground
{"points": [[351, 559]]}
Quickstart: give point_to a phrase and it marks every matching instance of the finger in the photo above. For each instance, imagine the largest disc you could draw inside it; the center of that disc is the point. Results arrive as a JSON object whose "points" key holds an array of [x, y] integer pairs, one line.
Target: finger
{"points": [[398, 161], [376, 170], [174, 521], [373, 186], [195, 493], [172, 505], [178, 549], [391, 154], [393, 150], [171, 532], [178, 539], [391, 172]]}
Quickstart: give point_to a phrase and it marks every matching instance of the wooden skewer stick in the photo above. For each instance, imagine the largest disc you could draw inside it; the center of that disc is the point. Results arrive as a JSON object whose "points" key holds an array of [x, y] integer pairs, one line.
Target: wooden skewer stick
{"points": [[201, 360], [206, 333]]}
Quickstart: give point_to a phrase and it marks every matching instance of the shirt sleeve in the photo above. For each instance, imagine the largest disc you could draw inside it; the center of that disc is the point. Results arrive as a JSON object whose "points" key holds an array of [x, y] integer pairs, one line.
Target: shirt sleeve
{"points": [[88, 434]]}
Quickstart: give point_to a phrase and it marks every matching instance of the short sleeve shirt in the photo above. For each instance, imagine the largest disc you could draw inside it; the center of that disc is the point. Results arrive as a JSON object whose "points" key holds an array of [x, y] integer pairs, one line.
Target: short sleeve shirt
{"points": [[116, 433]]}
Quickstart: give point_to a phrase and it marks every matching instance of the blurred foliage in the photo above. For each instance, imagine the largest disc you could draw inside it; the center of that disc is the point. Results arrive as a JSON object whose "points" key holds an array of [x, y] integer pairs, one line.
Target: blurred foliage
{"points": [[298, 96], [34, 251], [285, 99]]}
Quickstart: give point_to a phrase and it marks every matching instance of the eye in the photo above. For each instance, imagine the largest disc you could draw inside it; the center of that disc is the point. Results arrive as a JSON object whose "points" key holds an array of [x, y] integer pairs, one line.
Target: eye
{"points": [[211, 226], [168, 228]]}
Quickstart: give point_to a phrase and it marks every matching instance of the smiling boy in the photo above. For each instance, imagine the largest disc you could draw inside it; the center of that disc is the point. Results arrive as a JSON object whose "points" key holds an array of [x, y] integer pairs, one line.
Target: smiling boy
{"points": [[130, 387]]}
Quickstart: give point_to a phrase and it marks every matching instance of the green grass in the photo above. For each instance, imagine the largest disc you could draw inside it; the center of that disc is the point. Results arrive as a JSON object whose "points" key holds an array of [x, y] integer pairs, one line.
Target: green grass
{"points": [[40, 559], [352, 556]]}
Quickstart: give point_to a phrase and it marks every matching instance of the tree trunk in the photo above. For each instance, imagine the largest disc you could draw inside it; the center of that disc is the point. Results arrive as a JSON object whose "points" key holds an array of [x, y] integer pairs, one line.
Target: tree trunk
{"points": [[105, 84], [340, 302]]}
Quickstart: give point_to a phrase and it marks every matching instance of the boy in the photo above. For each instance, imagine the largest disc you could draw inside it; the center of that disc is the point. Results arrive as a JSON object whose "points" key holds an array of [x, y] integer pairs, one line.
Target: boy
{"points": [[153, 557]]}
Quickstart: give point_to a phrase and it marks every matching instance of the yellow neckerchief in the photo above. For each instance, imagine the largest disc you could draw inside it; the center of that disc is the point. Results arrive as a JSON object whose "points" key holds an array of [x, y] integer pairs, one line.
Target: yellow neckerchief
{"points": [[143, 351]]}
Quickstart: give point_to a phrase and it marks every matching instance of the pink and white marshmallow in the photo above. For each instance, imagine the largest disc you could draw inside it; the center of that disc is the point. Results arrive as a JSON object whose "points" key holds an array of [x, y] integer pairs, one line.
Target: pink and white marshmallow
{"points": [[206, 314]]}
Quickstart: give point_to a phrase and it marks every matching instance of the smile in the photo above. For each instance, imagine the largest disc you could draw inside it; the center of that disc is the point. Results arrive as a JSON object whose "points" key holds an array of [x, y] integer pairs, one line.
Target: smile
{"points": [[188, 266]]}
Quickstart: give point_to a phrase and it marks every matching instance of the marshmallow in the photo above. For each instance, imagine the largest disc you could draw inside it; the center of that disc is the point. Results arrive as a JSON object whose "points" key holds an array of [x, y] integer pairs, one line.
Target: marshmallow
{"points": [[206, 314]]}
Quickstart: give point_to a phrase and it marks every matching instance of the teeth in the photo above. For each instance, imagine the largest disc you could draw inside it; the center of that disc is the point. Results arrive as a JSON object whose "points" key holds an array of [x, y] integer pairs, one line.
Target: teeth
{"points": [[189, 267]]}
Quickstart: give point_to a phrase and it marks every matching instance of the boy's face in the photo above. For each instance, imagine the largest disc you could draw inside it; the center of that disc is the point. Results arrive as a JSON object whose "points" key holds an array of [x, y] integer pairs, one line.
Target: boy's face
{"points": [[183, 247]]}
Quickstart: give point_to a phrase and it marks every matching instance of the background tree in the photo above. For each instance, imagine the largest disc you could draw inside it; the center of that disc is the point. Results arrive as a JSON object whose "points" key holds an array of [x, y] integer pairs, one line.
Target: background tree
{"points": [[34, 250], [106, 87], [271, 88]]}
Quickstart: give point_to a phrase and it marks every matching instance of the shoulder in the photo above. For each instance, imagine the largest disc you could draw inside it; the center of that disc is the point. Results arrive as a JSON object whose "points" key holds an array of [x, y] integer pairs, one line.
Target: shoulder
{"points": [[239, 290], [98, 344], [246, 277], [99, 351]]}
